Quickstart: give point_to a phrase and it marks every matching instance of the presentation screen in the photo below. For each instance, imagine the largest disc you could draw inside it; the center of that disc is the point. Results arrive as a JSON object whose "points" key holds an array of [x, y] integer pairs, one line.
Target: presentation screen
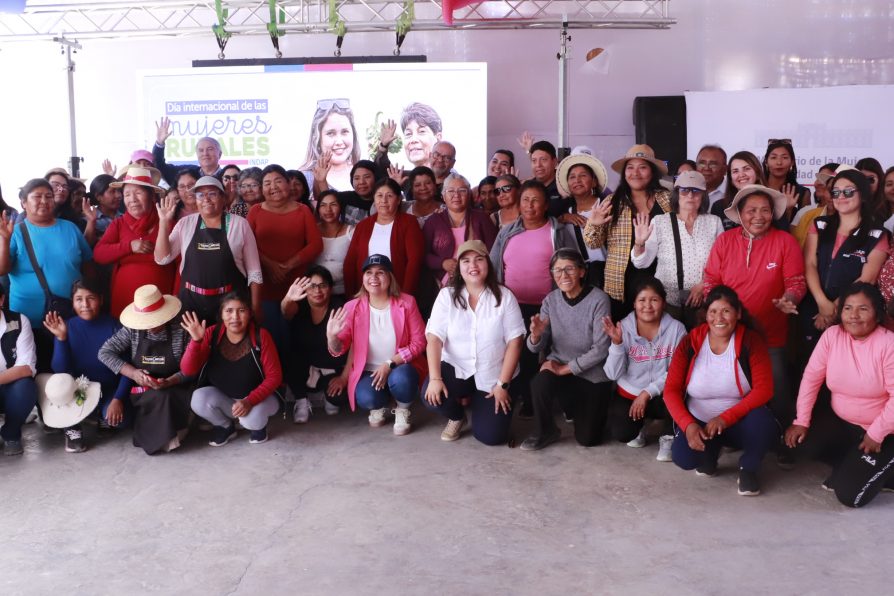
{"points": [[826, 124], [292, 115]]}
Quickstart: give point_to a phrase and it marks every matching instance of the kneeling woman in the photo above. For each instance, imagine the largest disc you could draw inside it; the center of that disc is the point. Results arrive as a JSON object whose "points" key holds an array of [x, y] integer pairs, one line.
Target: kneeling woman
{"points": [[475, 336], [147, 350], [388, 336], [722, 369], [239, 367], [856, 361], [642, 346], [569, 325]]}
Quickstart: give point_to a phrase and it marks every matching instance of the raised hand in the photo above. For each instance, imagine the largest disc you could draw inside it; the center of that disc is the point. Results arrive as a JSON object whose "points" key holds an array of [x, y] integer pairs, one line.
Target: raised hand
{"points": [[538, 327], [526, 140], [601, 213], [298, 290], [162, 130], [336, 323], [192, 325], [396, 173], [321, 170], [791, 195], [167, 207], [387, 132], [641, 228], [613, 330], [7, 226], [56, 325], [108, 168], [90, 212]]}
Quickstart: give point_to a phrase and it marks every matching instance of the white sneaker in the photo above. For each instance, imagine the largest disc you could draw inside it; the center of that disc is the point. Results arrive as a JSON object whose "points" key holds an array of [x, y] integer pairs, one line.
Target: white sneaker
{"points": [[665, 442], [301, 411], [331, 410], [453, 429], [401, 421], [639, 441], [377, 417]]}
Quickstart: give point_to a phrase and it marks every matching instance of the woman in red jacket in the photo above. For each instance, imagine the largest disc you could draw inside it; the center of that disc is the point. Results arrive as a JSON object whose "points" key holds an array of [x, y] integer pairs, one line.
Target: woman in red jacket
{"points": [[391, 233], [718, 384], [239, 368]]}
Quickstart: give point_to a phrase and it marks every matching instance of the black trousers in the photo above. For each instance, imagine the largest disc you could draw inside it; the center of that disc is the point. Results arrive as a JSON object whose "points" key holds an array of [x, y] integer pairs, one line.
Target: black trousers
{"points": [[585, 401], [624, 428], [529, 362]]}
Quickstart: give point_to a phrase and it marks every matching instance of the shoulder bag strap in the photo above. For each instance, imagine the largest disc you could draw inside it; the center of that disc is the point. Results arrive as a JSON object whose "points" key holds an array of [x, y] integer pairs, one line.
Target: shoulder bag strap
{"points": [[675, 228], [26, 237]]}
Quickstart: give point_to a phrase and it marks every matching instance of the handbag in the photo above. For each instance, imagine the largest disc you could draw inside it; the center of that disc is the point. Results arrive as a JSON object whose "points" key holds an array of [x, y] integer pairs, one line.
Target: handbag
{"points": [[62, 306]]}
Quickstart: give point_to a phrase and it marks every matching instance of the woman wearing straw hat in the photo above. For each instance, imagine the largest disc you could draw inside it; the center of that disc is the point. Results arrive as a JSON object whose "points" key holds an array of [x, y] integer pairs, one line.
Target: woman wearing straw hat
{"points": [[148, 350], [218, 251], [129, 241], [582, 178], [610, 224]]}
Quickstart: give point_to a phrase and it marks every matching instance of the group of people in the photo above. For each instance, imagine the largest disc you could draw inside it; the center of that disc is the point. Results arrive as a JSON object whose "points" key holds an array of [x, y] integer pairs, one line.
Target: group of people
{"points": [[662, 305]]}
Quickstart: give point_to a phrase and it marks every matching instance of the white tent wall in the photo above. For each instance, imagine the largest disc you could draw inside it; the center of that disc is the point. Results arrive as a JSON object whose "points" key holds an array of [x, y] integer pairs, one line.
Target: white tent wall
{"points": [[714, 46]]}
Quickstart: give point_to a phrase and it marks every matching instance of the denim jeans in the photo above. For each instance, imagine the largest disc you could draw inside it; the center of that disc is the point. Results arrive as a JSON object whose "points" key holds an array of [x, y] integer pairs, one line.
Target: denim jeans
{"points": [[402, 385], [18, 399], [754, 434]]}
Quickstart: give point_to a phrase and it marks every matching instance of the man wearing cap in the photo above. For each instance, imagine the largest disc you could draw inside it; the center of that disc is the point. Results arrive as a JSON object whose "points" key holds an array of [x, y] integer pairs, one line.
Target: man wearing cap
{"points": [[18, 364], [208, 154], [219, 251], [711, 163]]}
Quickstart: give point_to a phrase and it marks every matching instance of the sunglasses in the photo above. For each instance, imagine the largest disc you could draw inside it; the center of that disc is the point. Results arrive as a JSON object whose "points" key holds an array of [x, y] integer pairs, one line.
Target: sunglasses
{"points": [[846, 192], [230, 178], [338, 103], [687, 190], [501, 189], [779, 142]]}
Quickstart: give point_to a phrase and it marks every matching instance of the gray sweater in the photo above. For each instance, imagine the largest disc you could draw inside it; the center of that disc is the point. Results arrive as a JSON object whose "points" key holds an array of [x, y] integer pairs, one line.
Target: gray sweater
{"points": [[574, 335]]}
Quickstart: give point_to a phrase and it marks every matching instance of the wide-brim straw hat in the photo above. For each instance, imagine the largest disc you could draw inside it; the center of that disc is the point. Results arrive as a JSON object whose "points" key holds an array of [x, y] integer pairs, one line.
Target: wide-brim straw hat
{"points": [[777, 198], [639, 152], [149, 309], [56, 395], [579, 159], [134, 174]]}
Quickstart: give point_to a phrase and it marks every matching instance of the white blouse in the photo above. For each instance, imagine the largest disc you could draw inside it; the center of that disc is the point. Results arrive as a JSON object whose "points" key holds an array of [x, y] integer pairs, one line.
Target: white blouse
{"points": [[475, 340], [382, 341], [333, 258], [695, 247]]}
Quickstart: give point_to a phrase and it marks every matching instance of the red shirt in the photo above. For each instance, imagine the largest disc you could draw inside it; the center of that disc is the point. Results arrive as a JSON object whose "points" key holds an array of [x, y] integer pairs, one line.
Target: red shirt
{"points": [[280, 237]]}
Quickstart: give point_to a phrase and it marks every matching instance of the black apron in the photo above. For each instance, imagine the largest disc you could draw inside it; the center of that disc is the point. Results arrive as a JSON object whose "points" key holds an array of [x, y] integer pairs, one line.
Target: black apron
{"points": [[160, 413], [209, 271]]}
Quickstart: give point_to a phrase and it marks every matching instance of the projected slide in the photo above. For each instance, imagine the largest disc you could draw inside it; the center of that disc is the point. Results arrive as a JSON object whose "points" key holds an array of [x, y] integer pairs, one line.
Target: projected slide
{"points": [[293, 115], [828, 124]]}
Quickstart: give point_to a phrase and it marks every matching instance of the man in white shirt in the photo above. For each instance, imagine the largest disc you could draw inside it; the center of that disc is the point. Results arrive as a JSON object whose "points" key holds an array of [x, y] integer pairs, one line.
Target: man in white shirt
{"points": [[18, 365], [711, 163]]}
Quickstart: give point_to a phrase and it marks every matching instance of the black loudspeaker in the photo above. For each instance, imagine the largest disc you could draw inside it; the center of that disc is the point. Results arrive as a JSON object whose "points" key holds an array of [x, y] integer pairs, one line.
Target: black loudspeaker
{"points": [[661, 123]]}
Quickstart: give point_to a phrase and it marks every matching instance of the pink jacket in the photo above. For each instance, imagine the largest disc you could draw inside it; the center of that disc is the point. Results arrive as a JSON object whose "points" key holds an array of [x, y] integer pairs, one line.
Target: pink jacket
{"points": [[409, 328]]}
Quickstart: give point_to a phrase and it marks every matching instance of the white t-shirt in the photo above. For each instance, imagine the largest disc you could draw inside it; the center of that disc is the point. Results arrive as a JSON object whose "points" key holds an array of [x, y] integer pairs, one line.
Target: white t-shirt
{"points": [[382, 341], [475, 340], [380, 241], [712, 388]]}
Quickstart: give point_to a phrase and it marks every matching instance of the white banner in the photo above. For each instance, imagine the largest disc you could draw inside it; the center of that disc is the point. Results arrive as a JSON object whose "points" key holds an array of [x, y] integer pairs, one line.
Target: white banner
{"points": [[825, 124]]}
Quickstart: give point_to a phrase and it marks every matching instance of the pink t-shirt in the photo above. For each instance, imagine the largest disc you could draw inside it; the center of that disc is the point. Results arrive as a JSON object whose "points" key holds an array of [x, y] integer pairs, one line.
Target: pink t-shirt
{"points": [[459, 236], [526, 264]]}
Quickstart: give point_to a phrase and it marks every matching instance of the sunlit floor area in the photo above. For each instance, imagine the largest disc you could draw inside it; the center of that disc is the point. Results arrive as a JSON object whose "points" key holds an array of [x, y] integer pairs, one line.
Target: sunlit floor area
{"points": [[335, 507]]}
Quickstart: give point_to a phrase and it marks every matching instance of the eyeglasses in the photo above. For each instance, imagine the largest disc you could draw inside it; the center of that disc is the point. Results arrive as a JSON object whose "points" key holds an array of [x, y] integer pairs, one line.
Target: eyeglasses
{"points": [[847, 192], [252, 186], [231, 178], [435, 155], [59, 185], [558, 271], [321, 286], [709, 165], [779, 142], [458, 192], [686, 190], [501, 189], [208, 195]]}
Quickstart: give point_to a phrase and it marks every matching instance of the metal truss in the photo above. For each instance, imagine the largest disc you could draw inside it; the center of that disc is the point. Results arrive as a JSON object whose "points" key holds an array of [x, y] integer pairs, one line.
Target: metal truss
{"points": [[47, 19]]}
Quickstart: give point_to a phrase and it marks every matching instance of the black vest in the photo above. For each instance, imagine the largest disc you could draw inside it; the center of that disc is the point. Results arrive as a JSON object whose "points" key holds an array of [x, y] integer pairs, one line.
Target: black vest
{"points": [[10, 337], [839, 272]]}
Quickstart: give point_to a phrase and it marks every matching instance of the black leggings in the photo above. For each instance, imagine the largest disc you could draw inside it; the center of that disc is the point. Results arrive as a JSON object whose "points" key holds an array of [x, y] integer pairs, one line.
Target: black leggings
{"points": [[586, 402], [624, 428]]}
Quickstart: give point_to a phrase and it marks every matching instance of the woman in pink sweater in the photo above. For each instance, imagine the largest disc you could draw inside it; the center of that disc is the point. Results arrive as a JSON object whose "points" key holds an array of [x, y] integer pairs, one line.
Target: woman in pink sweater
{"points": [[856, 361]]}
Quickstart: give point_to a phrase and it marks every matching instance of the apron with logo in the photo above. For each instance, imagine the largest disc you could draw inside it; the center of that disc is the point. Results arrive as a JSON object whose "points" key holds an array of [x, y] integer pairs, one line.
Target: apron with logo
{"points": [[160, 413], [209, 271]]}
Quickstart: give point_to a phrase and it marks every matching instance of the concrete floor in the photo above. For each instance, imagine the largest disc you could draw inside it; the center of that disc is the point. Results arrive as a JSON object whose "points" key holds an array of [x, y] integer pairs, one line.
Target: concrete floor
{"points": [[335, 507]]}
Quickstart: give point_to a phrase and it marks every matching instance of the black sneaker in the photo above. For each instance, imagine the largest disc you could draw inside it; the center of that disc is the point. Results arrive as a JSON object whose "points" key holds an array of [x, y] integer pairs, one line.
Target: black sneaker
{"points": [[74, 441], [258, 436], [785, 459], [708, 469], [539, 442], [748, 484], [827, 484], [221, 435]]}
